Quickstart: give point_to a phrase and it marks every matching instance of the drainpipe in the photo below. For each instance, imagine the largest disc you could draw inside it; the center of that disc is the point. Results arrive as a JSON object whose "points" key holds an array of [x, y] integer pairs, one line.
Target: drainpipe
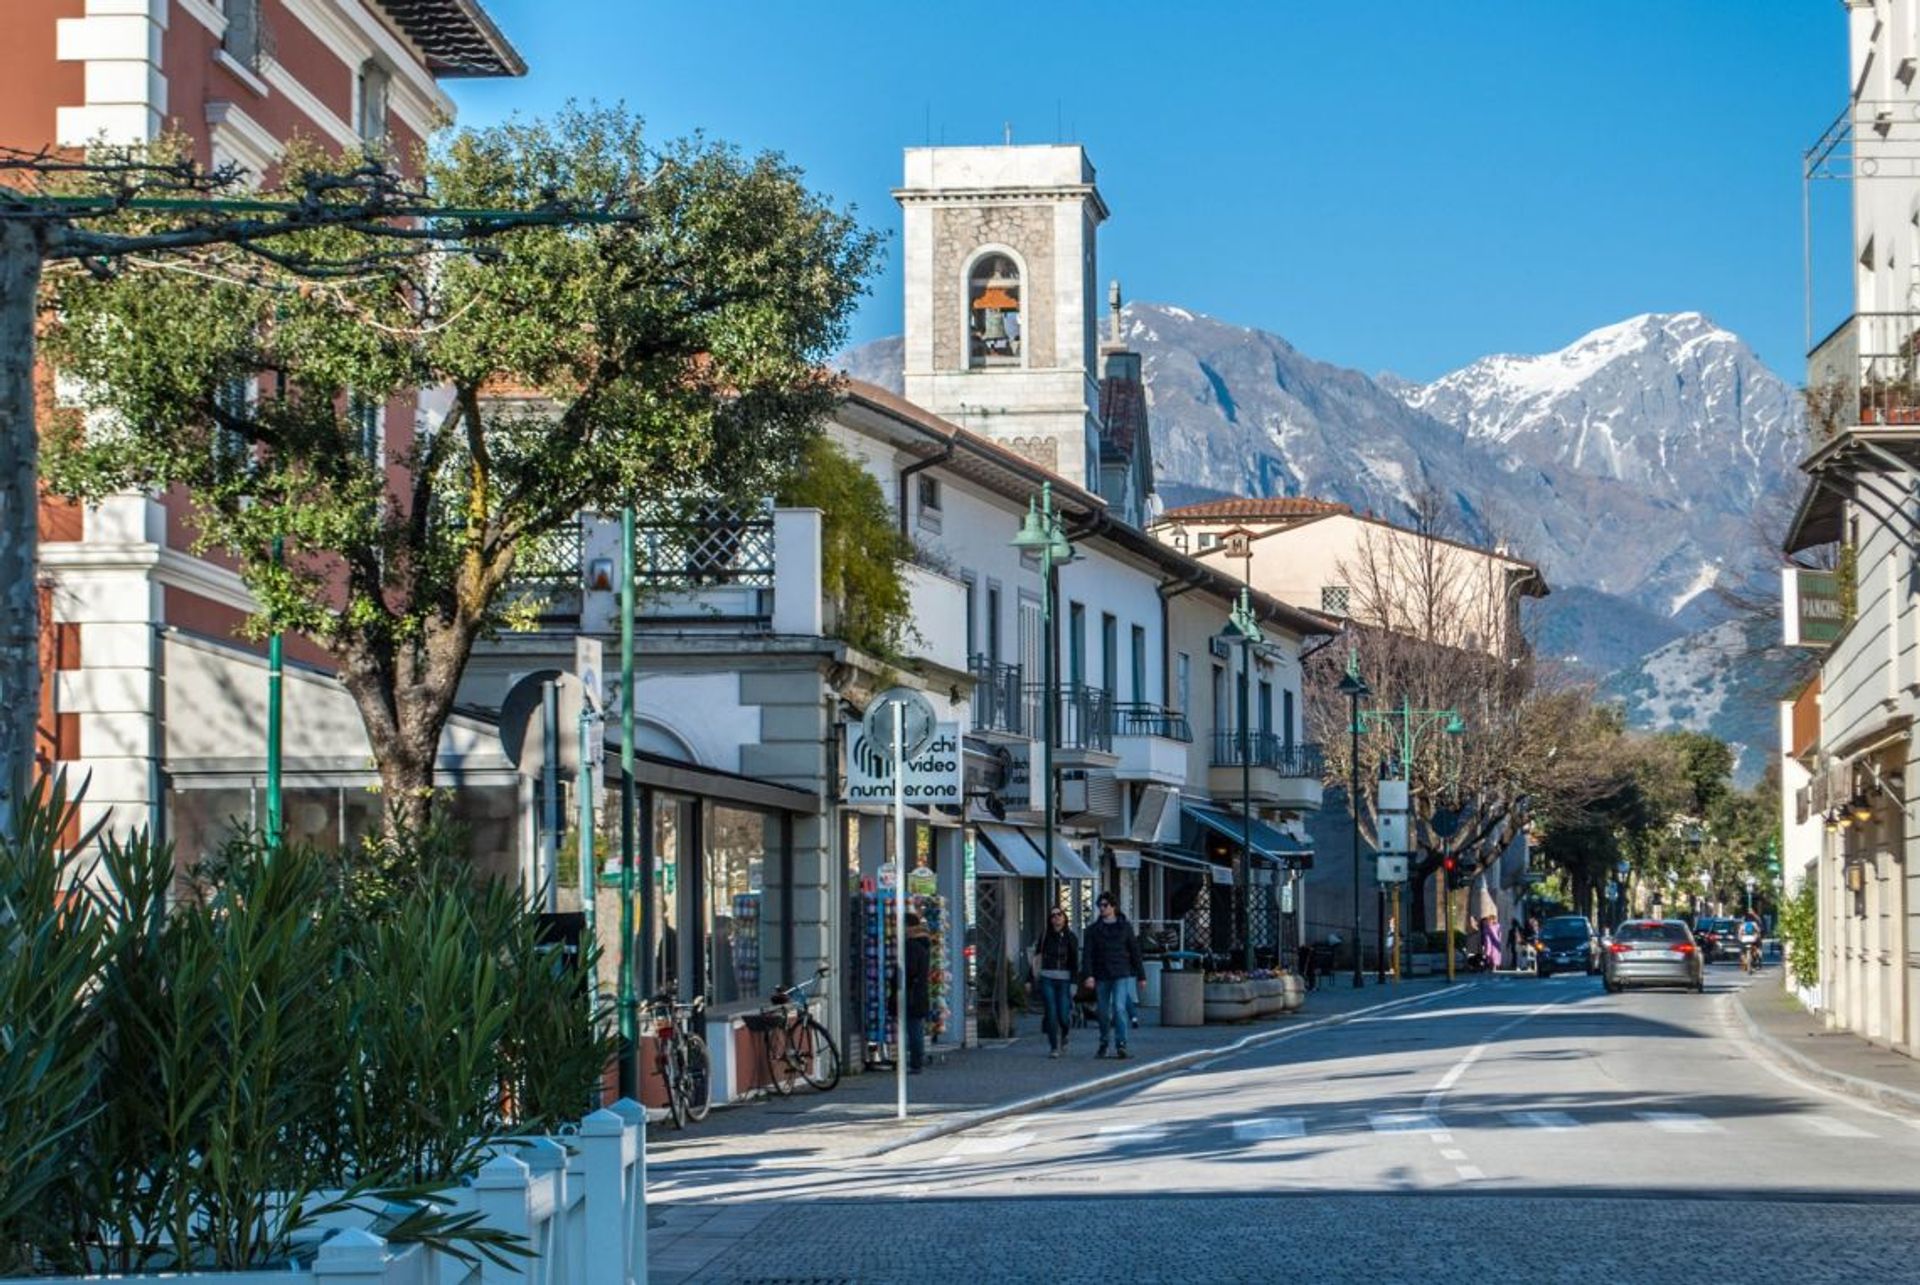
{"points": [[900, 495]]}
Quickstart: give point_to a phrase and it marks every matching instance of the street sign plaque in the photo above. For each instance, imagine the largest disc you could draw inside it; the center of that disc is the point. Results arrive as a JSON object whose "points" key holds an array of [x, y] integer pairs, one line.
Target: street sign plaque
{"points": [[916, 731]]}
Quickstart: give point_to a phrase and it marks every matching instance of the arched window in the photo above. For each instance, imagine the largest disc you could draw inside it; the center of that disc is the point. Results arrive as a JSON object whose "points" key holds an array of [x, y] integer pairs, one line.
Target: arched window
{"points": [[993, 312]]}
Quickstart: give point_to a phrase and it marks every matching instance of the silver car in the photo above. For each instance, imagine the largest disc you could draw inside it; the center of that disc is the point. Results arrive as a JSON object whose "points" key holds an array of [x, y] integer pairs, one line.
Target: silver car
{"points": [[1652, 952]]}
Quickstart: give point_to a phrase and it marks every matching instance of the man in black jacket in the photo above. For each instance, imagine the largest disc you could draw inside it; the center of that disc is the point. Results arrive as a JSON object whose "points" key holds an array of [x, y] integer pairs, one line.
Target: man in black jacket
{"points": [[919, 990], [1114, 967]]}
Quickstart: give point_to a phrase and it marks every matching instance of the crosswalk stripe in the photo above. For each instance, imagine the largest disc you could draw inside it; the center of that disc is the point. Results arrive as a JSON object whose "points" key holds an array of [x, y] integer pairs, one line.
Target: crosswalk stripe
{"points": [[1281, 1126], [1406, 1122], [1133, 1132], [996, 1146], [1679, 1122], [1554, 1121], [1829, 1127]]}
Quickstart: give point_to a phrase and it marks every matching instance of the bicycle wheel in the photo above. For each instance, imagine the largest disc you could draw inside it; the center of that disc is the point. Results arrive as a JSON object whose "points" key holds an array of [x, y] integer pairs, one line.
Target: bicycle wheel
{"points": [[696, 1080], [823, 1068], [672, 1071], [781, 1071]]}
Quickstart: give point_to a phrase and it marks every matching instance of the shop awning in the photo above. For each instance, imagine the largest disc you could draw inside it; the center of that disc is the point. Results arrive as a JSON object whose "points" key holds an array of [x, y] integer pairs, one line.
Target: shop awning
{"points": [[986, 865], [1267, 842], [1013, 852], [1174, 859], [1067, 864]]}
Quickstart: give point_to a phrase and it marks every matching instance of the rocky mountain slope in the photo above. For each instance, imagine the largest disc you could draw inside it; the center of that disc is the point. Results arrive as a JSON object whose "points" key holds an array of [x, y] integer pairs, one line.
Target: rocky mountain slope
{"points": [[1629, 464]]}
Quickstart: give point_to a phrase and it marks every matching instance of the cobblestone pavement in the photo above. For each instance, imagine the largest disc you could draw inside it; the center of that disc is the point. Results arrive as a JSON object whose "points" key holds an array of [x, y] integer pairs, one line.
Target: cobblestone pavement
{"points": [[1544, 1130]]}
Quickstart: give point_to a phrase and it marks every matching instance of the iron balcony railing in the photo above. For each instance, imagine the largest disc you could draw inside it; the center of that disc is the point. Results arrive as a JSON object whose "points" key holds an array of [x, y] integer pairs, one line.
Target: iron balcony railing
{"points": [[1302, 759], [998, 705], [1083, 717], [1866, 372], [1137, 719]]}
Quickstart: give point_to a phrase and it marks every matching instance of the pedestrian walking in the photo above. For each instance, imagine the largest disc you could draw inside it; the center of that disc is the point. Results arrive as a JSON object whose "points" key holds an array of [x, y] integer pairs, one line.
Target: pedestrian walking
{"points": [[1057, 961], [1303, 960], [1490, 942], [919, 990], [1112, 963]]}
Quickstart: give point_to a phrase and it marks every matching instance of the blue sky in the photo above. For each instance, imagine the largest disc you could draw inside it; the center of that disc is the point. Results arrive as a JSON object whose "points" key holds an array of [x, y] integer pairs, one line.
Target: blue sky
{"points": [[1401, 185]]}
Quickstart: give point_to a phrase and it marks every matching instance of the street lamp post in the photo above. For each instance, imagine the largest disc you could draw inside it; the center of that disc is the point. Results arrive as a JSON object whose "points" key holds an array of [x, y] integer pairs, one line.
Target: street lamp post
{"points": [[1247, 628], [1413, 724], [1044, 535], [1355, 689]]}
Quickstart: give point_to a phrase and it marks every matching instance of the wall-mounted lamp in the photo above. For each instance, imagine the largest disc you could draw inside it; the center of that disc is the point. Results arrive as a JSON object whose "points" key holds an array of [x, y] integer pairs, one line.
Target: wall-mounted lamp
{"points": [[1862, 809], [600, 575]]}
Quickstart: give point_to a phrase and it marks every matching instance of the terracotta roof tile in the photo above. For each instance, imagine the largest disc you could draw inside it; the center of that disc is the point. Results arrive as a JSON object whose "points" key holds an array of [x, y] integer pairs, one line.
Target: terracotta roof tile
{"points": [[1276, 506]]}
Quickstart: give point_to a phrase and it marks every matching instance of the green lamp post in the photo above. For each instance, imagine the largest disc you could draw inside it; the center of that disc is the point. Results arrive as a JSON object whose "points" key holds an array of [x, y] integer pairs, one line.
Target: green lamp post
{"points": [[1044, 535], [1246, 630]]}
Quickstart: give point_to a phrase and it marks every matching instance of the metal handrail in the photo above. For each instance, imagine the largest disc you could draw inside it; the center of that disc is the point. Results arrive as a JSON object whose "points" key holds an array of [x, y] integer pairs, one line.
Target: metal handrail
{"points": [[998, 704], [1136, 718], [1083, 715], [1302, 759]]}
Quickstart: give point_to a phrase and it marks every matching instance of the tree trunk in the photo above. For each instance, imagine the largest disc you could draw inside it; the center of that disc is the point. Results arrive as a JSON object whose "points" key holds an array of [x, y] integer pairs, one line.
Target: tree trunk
{"points": [[405, 695], [20, 252]]}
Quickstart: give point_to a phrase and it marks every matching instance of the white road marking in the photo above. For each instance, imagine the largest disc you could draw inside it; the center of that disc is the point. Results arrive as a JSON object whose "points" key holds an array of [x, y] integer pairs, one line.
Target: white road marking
{"points": [[1679, 1122], [1829, 1127], [1458, 1069], [1468, 1172], [991, 1146], [1133, 1132], [1553, 1121], [1280, 1126], [1453, 1153], [1406, 1122]]}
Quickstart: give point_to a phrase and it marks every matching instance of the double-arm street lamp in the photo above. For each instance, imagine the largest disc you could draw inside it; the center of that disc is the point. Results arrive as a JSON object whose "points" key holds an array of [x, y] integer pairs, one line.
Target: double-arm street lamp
{"points": [[1244, 628], [1355, 689], [1413, 723], [1044, 535]]}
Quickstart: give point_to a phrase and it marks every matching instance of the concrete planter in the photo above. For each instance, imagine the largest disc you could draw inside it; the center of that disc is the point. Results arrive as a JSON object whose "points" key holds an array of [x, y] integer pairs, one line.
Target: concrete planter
{"points": [[1294, 992], [1269, 995], [1231, 1002]]}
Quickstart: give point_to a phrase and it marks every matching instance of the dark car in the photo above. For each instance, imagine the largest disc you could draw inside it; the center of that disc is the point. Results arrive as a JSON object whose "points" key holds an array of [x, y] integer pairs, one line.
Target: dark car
{"points": [[1718, 938], [1566, 944]]}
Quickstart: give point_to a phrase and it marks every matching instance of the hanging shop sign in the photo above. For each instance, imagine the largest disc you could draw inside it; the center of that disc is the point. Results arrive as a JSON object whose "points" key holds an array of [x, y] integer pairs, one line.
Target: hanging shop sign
{"points": [[1814, 611], [930, 778]]}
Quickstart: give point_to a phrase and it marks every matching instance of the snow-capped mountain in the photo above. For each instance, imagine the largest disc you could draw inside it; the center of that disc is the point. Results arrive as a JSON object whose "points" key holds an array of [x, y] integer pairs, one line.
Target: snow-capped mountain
{"points": [[1629, 464]]}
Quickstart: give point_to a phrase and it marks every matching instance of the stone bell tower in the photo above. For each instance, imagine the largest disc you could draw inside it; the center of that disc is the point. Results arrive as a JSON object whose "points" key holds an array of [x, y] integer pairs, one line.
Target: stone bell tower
{"points": [[1001, 333]]}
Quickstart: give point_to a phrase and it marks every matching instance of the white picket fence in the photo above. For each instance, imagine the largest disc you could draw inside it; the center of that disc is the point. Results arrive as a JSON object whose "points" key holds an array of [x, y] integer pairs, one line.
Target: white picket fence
{"points": [[578, 1200]]}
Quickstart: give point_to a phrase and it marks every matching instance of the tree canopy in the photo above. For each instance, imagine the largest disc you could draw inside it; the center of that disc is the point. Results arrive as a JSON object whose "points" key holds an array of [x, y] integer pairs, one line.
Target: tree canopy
{"points": [[403, 431]]}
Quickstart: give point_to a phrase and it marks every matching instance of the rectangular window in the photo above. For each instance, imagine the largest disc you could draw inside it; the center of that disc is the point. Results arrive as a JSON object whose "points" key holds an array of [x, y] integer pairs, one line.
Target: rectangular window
{"points": [[1183, 683], [370, 101], [1222, 721], [242, 38], [1286, 718], [927, 489], [973, 622], [364, 416], [1139, 639], [992, 642], [1110, 654], [1266, 708], [1209, 540], [1334, 599], [233, 397], [1076, 644]]}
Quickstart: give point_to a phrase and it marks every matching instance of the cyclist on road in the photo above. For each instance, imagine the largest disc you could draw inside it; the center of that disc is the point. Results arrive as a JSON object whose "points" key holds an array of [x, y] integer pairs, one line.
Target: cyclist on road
{"points": [[1750, 934]]}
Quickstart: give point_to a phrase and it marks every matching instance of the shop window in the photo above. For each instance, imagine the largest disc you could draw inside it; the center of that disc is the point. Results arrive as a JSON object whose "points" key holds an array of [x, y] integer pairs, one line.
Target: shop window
{"points": [[734, 914], [993, 312]]}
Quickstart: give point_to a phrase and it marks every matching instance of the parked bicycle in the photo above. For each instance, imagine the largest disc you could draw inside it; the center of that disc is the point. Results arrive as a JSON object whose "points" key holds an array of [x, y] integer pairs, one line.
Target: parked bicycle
{"points": [[681, 1057], [798, 1047]]}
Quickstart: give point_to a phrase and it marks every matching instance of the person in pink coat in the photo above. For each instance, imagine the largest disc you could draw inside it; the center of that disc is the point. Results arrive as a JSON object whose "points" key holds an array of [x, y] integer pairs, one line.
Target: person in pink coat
{"points": [[1490, 942]]}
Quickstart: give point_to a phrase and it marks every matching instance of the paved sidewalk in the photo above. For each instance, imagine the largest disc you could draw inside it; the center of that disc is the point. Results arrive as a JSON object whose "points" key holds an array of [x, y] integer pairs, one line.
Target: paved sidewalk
{"points": [[1802, 1041], [970, 1086]]}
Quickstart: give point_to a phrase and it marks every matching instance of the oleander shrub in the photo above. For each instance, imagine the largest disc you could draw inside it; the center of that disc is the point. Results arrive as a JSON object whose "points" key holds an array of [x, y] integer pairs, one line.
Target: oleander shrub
{"points": [[195, 1068]]}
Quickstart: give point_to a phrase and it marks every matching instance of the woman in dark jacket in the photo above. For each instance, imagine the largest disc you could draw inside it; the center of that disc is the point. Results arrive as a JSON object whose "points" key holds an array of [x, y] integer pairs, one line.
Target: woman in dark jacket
{"points": [[1057, 961], [919, 990]]}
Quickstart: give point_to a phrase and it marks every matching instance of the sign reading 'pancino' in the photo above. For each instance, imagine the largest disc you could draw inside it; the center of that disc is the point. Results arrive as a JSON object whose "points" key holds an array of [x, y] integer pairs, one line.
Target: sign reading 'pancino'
{"points": [[1814, 608]]}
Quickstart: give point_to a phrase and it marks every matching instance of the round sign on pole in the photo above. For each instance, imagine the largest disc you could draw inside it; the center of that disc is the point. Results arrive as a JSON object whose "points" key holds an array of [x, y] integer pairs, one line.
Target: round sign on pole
{"points": [[522, 726], [918, 721]]}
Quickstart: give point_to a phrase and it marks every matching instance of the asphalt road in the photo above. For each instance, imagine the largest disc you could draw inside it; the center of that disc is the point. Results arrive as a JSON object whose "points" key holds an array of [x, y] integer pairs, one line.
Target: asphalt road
{"points": [[1515, 1129]]}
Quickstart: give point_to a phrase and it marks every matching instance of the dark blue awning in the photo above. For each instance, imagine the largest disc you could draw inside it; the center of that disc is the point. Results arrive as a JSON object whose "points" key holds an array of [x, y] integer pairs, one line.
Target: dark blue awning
{"points": [[1266, 841]]}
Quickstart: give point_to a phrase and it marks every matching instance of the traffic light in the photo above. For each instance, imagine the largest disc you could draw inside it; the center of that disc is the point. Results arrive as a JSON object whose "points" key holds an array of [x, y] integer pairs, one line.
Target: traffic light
{"points": [[1451, 865]]}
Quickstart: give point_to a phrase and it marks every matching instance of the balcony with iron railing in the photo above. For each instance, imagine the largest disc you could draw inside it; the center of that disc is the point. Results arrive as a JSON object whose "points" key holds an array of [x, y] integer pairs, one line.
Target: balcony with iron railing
{"points": [[1152, 743], [1865, 374], [1083, 723], [1273, 771], [999, 702]]}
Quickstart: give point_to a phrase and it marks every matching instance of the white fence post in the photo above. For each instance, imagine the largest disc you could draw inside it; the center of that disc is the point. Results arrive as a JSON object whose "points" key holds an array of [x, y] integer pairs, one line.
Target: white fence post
{"points": [[633, 1192], [501, 1192], [351, 1257], [602, 1140]]}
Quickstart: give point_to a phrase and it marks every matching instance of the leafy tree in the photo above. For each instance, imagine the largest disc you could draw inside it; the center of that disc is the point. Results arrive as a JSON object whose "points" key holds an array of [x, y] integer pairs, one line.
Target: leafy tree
{"points": [[674, 350], [861, 547]]}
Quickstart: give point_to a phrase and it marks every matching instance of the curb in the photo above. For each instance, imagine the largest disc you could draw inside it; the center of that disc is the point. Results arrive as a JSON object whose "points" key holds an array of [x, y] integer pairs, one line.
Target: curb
{"points": [[1872, 1090], [1054, 1097]]}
